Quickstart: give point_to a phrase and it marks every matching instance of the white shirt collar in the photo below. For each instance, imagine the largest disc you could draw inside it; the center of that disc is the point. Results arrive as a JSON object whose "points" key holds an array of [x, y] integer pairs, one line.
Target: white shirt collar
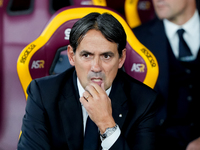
{"points": [[191, 35]]}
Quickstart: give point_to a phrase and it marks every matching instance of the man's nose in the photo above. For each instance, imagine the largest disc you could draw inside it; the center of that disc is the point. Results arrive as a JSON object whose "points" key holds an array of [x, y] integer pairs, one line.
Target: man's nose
{"points": [[96, 65]]}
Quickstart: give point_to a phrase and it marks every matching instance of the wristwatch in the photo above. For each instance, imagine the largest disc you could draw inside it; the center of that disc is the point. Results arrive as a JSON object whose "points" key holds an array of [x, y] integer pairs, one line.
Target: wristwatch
{"points": [[108, 132]]}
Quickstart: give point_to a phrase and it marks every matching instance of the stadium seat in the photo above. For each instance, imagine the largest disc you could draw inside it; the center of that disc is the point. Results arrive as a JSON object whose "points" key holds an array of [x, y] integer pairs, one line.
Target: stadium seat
{"points": [[138, 12], [40, 57]]}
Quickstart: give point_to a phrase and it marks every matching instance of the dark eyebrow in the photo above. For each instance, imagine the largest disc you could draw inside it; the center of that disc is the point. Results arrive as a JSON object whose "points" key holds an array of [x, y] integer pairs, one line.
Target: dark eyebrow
{"points": [[85, 52], [105, 53], [108, 53]]}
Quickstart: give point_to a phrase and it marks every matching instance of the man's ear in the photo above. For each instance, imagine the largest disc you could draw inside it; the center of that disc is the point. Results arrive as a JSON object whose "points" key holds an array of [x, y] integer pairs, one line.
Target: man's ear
{"points": [[70, 54], [122, 58]]}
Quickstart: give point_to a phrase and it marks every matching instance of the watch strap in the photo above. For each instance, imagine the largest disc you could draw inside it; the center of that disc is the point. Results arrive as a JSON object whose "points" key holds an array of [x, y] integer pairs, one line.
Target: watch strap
{"points": [[108, 132]]}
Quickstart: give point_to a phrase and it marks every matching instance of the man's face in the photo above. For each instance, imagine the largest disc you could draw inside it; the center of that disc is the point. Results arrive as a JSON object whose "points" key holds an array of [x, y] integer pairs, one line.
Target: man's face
{"points": [[170, 9], [96, 59]]}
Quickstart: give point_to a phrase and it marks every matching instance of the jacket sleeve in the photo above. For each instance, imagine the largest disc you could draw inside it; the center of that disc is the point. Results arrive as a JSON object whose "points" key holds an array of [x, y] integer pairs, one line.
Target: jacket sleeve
{"points": [[34, 128]]}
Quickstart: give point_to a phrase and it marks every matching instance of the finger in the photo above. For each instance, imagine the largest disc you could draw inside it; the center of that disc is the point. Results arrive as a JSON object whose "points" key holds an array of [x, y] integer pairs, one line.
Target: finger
{"points": [[86, 95], [83, 101], [102, 86], [91, 89], [98, 89]]}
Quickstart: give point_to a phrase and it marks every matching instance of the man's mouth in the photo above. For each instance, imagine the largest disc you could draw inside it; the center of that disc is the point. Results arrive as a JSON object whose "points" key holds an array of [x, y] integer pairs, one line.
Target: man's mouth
{"points": [[97, 81]]}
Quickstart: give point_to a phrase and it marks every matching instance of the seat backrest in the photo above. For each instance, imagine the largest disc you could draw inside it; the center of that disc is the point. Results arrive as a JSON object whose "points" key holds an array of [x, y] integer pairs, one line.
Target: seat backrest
{"points": [[138, 11], [38, 59]]}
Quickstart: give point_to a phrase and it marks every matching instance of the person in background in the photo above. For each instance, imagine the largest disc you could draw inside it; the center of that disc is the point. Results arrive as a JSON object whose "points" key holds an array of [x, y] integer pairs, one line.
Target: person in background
{"points": [[93, 104], [174, 38]]}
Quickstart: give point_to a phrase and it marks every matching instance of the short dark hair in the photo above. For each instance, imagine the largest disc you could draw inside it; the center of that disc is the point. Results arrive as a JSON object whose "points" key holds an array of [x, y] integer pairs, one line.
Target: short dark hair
{"points": [[108, 25]]}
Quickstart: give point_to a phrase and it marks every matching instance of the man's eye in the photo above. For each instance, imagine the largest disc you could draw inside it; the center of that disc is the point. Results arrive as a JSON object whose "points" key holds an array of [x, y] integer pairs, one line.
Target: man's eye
{"points": [[86, 55], [106, 56]]}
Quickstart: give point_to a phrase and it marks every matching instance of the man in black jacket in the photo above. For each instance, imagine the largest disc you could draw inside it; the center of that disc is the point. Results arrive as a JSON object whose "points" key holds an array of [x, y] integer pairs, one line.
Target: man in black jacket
{"points": [[178, 80], [122, 108]]}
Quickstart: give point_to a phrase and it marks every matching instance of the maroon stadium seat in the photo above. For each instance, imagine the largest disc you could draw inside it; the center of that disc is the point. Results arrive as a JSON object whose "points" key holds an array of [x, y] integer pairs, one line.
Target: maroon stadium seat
{"points": [[40, 58]]}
